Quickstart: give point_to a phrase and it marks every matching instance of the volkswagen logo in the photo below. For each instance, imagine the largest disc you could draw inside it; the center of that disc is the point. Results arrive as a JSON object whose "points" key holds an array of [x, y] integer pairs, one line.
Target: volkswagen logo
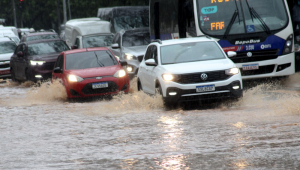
{"points": [[204, 76], [249, 54], [98, 78]]}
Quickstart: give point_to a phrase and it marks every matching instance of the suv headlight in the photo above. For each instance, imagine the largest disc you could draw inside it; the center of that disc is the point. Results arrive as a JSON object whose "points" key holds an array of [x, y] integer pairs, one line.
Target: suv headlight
{"points": [[129, 56], [232, 71], [120, 73], [168, 77], [34, 63], [74, 78]]}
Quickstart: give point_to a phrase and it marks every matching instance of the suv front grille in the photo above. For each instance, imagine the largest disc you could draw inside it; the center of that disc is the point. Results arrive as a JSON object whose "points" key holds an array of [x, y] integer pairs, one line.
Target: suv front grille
{"points": [[196, 77], [262, 55], [4, 66]]}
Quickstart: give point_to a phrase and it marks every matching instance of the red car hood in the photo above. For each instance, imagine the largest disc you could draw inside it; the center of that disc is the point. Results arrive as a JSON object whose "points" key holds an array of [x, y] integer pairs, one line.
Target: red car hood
{"points": [[96, 72]]}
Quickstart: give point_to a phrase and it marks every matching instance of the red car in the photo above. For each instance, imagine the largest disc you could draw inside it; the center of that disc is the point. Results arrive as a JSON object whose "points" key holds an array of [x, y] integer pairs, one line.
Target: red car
{"points": [[91, 72]]}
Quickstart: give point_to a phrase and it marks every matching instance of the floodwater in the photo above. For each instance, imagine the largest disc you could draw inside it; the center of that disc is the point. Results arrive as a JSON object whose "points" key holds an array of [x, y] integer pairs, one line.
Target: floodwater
{"points": [[41, 129]]}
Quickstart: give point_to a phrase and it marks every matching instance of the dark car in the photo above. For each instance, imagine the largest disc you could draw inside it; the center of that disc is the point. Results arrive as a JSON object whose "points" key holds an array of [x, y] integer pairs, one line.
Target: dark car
{"points": [[91, 72], [34, 60], [36, 36]]}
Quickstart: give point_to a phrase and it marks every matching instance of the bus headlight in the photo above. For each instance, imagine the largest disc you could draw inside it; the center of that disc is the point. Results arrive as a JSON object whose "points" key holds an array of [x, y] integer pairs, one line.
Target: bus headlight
{"points": [[288, 44], [232, 71]]}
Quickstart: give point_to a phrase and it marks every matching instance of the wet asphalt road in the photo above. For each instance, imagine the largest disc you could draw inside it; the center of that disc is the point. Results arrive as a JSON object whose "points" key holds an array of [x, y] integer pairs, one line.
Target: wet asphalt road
{"points": [[41, 129]]}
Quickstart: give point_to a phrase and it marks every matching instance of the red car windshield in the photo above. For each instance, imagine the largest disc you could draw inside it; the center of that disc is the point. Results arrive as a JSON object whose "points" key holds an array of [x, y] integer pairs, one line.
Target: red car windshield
{"points": [[90, 59]]}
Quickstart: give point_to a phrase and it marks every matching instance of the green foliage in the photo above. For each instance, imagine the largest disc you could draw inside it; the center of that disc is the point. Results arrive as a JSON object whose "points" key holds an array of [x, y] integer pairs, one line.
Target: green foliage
{"points": [[41, 14]]}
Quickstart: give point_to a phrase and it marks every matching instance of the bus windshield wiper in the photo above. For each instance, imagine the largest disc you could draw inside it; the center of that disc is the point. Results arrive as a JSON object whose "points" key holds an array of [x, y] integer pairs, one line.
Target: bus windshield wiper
{"points": [[235, 14], [254, 14]]}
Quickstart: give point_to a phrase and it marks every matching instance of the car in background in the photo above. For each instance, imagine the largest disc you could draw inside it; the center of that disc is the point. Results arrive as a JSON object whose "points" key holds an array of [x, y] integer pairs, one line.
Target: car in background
{"points": [[35, 36], [87, 33], [34, 60], [7, 48], [91, 72], [189, 69], [130, 45], [5, 32]]}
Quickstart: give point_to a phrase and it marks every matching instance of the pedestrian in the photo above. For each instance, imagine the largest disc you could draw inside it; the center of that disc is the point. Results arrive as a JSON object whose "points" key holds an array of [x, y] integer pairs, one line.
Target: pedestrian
{"points": [[296, 17]]}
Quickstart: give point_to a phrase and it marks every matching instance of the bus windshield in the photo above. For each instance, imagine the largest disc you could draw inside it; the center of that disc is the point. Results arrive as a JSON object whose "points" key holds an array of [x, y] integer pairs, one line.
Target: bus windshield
{"points": [[130, 22], [220, 17]]}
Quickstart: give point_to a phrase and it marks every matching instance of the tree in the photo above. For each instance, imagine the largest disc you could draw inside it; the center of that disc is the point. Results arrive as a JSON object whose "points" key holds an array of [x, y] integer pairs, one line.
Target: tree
{"points": [[39, 14]]}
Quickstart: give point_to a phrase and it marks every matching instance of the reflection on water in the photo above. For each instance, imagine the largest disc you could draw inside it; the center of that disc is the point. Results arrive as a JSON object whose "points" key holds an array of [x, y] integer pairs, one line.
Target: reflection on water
{"points": [[174, 162], [239, 125], [240, 164], [172, 137]]}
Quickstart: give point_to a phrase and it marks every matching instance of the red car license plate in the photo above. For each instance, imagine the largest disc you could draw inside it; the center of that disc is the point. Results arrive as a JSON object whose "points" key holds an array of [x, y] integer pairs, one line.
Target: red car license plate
{"points": [[99, 85]]}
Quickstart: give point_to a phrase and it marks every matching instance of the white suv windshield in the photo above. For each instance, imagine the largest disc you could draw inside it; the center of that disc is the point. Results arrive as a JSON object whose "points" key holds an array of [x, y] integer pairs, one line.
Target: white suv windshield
{"points": [[251, 16], [190, 52], [7, 47]]}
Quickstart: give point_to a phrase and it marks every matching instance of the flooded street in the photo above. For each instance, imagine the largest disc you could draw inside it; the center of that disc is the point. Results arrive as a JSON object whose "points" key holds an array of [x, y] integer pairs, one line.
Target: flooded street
{"points": [[41, 129]]}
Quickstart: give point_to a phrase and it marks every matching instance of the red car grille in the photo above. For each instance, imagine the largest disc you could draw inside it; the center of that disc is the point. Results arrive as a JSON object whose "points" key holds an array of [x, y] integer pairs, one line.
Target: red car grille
{"points": [[112, 87]]}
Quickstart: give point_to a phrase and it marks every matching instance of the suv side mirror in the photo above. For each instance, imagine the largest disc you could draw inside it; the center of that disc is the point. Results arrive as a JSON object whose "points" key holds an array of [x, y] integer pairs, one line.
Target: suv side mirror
{"points": [[74, 47], [231, 54], [150, 62], [57, 70], [20, 54], [114, 46], [123, 62]]}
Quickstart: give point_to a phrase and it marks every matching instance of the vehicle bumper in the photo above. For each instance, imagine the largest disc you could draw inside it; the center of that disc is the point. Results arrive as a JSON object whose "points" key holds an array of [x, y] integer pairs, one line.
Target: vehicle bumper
{"points": [[134, 64], [42, 72], [5, 69], [5, 73], [84, 89], [282, 66], [187, 92]]}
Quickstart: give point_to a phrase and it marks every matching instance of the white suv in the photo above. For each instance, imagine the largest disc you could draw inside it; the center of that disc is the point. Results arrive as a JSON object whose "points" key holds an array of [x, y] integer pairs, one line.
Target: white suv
{"points": [[189, 69]]}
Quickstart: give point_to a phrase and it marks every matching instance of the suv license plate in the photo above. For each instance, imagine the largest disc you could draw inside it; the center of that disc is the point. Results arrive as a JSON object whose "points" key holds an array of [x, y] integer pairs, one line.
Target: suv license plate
{"points": [[205, 88], [250, 67], [99, 85]]}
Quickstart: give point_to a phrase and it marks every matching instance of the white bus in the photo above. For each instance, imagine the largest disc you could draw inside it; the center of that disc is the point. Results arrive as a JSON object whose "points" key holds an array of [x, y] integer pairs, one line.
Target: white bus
{"points": [[259, 31]]}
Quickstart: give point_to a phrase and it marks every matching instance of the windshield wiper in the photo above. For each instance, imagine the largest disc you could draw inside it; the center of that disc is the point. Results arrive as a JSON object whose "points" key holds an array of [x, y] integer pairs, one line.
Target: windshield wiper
{"points": [[99, 63], [254, 14], [235, 14], [114, 60]]}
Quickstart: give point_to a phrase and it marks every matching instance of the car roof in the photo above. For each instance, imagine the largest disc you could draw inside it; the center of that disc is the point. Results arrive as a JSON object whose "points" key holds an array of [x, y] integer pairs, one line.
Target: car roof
{"points": [[43, 40], [86, 49], [183, 40], [4, 39], [39, 33]]}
